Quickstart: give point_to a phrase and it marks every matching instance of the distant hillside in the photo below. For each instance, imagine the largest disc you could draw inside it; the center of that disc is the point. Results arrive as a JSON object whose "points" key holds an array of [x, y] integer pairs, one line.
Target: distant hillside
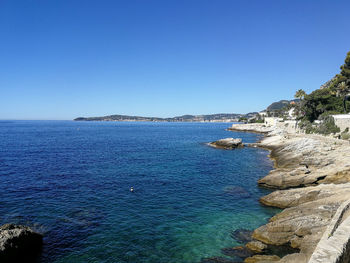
{"points": [[220, 117], [279, 104]]}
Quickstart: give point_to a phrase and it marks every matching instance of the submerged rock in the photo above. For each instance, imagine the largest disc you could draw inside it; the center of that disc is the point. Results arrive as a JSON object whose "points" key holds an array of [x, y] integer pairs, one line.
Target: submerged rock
{"points": [[242, 235], [19, 243], [240, 251], [228, 143]]}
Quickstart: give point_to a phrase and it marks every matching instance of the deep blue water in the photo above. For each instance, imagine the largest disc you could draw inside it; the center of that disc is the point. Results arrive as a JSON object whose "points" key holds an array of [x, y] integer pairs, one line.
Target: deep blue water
{"points": [[70, 181]]}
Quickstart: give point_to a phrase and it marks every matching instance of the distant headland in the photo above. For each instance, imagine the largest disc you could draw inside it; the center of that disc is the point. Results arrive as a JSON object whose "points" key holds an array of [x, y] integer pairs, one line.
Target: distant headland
{"points": [[220, 117]]}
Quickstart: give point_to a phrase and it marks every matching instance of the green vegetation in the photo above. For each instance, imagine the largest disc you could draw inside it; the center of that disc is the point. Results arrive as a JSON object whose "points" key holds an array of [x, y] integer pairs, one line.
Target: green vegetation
{"points": [[300, 94], [258, 121], [320, 104], [330, 99], [325, 127]]}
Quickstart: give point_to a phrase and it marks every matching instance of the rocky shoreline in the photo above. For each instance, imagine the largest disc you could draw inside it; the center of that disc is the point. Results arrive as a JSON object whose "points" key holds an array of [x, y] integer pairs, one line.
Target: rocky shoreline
{"points": [[311, 178]]}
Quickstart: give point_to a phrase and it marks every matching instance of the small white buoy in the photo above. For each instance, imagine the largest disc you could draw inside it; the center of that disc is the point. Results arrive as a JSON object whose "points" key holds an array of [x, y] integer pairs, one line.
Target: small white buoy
{"points": [[131, 189]]}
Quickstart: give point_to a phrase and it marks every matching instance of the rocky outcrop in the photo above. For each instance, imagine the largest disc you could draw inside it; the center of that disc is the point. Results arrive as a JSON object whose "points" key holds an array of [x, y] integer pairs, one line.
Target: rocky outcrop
{"points": [[228, 143], [256, 246], [306, 160], [19, 243], [312, 175], [298, 196]]}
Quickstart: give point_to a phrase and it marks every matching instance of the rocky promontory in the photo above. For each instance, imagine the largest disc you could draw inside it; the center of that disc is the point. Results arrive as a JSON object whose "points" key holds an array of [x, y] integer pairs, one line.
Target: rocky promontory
{"points": [[227, 143], [19, 243], [312, 178]]}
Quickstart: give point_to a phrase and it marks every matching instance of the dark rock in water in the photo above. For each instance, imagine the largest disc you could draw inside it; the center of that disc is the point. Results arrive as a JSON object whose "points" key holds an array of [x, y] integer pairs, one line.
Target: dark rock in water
{"points": [[241, 252], [236, 191], [19, 243], [228, 143], [281, 250], [242, 235], [218, 260]]}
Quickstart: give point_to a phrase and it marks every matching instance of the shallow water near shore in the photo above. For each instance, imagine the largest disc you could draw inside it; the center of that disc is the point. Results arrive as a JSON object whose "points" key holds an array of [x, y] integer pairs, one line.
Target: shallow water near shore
{"points": [[71, 180]]}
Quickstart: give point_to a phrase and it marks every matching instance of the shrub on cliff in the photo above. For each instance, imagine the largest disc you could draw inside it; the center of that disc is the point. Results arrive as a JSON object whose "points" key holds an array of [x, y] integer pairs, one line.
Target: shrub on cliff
{"points": [[329, 98], [326, 126], [320, 101]]}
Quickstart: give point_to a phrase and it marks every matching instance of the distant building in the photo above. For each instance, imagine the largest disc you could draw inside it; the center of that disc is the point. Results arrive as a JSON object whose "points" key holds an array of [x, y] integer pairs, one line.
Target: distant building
{"points": [[263, 113], [272, 121]]}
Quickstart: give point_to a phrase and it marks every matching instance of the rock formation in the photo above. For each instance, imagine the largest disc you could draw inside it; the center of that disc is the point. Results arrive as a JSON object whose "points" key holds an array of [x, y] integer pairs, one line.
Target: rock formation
{"points": [[312, 175], [19, 243], [228, 143]]}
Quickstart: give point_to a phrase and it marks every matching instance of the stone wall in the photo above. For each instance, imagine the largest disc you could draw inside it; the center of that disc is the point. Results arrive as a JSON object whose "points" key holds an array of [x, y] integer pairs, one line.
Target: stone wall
{"points": [[290, 126], [342, 121], [334, 246]]}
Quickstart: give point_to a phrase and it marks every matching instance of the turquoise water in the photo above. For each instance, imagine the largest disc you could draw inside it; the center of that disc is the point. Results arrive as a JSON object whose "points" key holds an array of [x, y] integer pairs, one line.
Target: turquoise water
{"points": [[71, 180]]}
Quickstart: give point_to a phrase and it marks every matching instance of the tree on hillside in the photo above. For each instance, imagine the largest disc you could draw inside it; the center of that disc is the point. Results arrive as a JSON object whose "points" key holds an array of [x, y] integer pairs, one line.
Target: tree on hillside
{"points": [[343, 91], [345, 69], [344, 75], [300, 94], [331, 99]]}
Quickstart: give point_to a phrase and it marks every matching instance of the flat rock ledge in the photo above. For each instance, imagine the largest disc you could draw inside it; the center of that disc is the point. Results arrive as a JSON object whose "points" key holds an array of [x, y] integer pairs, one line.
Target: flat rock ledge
{"points": [[19, 243], [251, 127], [227, 143]]}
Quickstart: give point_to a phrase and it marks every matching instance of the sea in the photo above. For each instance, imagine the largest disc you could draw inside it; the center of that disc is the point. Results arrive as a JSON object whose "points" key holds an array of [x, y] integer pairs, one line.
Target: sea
{"points": [[71, 182]]}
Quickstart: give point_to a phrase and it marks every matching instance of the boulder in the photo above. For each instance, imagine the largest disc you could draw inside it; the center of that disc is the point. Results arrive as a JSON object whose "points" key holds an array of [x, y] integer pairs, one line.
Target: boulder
{"points": [[227, 143], [19, 243]]}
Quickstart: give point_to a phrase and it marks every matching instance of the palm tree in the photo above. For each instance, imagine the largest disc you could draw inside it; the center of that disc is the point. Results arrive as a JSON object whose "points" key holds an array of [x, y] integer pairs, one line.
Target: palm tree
{"points": [[300, 94]]}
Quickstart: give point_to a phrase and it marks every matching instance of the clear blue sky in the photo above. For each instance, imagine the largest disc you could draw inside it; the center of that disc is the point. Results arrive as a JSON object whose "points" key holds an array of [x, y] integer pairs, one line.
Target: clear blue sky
{"points": [[64, 59]]}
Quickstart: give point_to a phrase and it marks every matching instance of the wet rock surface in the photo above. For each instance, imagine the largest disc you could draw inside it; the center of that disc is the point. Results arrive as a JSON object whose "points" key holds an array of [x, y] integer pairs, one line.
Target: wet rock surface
{"points": [[19, 243], [242, 235]]}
